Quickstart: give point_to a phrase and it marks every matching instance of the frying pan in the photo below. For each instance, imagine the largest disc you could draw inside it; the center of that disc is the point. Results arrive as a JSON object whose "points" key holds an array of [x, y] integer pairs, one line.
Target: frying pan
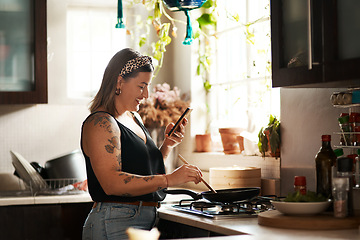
{"points": [[223, 195]]}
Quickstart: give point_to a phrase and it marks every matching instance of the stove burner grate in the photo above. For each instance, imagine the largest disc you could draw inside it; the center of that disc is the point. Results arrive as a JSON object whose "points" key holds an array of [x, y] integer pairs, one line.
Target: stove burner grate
{"points": [[246, 208]]}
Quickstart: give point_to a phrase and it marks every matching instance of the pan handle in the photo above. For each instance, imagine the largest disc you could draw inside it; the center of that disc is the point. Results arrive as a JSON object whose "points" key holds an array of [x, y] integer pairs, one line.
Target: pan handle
{"points": [[192, 194]]}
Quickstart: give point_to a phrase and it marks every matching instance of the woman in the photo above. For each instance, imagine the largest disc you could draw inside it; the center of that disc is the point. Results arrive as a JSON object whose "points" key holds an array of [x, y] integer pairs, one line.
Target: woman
{"points": [[125, 169]]}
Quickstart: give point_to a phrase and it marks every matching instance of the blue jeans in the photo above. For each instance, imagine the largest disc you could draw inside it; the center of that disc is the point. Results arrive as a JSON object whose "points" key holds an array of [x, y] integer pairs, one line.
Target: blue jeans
{"points": [[110, 220]]}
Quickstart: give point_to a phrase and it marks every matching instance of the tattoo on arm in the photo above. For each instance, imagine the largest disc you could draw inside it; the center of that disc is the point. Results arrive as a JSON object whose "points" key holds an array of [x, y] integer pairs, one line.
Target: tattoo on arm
{"points": [[102, 121], [119, 162], [146, 179], [129, 177], [114, 143]]}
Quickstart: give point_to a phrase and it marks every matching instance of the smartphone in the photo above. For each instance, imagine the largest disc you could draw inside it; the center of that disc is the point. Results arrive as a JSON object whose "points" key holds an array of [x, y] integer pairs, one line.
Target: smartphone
{"points": [[178, 122]]}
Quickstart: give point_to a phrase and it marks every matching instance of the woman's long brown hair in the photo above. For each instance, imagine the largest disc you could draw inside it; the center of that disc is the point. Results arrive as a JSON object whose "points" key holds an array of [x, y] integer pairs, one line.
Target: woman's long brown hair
{"points": [[105, 97]]}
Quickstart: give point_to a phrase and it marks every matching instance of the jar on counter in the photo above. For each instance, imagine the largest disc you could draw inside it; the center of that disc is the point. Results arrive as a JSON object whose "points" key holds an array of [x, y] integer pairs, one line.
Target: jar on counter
{"points": [[345, 167], [300, 184], [340, 197]]}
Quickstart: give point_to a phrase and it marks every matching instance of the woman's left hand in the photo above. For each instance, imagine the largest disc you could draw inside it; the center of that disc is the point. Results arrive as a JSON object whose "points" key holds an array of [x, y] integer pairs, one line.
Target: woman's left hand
{"points": [[177, 136]]}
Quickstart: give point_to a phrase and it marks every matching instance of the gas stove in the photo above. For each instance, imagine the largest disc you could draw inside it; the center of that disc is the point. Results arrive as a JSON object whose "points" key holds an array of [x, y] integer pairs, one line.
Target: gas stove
{"points": [[216, 210]]}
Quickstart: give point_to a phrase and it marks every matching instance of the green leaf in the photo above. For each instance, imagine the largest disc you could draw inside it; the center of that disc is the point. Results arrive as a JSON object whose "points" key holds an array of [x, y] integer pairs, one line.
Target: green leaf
{"points": [[198, 70], [206, 19], [274, 141], [196, 34], [208, 4], [164, 30], [157, 12], [207, 85], [235, 17], [142, 41], [158, 55]]}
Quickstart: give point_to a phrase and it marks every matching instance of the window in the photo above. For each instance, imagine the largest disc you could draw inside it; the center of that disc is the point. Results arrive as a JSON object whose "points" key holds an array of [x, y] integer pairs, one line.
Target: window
{"points": [[241, 93], [92, 40]]}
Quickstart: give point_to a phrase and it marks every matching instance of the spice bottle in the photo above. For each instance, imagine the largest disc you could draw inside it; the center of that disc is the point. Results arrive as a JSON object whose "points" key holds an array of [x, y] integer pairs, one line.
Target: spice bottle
{"points": [[357, 169], [345, 128], [354, 121], [300, 184], [345, 170], [325, 159]]}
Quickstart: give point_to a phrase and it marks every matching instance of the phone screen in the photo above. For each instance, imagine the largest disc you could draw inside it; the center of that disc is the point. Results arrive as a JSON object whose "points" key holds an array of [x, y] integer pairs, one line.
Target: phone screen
{"points": [[178, 122]]}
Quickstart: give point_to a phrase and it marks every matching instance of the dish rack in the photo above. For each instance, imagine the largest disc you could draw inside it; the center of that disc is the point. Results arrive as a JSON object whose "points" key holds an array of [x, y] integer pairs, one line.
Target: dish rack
{"points": [[65, 186]]}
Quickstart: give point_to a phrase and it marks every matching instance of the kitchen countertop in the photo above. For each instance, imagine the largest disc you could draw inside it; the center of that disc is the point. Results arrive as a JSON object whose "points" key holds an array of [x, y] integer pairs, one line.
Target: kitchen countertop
{"points": [[250, 226], [246, 228], [53, 199]]}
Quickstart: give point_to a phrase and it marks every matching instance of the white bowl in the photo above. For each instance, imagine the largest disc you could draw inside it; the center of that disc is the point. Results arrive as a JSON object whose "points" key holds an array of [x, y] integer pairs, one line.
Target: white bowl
{"points": [[301, 208]]}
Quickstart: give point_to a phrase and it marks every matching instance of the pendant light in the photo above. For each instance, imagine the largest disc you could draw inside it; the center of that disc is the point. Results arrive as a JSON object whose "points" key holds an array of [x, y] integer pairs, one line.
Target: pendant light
{"points": [[185, 6], [120, 23]]}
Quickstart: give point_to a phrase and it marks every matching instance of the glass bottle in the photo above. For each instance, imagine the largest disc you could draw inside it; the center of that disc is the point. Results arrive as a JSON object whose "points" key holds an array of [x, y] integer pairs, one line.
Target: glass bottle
{"points": [[340, 197], [357, 169], [325, 160], [345, 167]]}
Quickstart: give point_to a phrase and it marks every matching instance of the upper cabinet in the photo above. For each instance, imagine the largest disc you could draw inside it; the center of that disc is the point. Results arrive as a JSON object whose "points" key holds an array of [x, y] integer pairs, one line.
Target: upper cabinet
{"points": [[315, 43], [23, 52]]}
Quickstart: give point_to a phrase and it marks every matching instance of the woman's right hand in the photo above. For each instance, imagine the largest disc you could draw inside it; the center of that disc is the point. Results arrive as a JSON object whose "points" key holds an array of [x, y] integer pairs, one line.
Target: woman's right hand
{"points": [[183, 174]]}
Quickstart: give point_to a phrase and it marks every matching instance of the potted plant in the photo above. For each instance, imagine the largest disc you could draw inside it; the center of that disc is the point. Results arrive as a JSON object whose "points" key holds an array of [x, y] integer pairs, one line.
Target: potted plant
{"points": [[231, 140], [164, 105], [269, 138]]}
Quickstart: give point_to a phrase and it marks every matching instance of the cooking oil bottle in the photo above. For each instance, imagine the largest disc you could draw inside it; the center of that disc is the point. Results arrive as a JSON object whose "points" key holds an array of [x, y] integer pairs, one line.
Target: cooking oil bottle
{"points": [[325, 160]]}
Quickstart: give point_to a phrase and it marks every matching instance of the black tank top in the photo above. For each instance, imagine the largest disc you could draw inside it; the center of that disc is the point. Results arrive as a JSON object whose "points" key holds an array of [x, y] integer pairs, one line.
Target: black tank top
{"points": [[137, 157]]}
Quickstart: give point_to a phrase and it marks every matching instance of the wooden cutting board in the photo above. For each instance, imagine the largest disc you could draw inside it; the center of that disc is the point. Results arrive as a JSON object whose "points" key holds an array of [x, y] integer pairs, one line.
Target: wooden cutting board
{"points": [[325, 221]]}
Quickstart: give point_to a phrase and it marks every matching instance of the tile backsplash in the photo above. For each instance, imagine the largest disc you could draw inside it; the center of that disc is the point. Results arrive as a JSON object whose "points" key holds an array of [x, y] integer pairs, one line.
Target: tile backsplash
{"points": [[39, 132]]}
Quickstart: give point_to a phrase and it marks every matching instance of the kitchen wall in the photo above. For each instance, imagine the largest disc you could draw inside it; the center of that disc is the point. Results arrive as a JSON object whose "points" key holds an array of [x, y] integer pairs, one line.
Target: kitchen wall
{"points": [[306, 114]]}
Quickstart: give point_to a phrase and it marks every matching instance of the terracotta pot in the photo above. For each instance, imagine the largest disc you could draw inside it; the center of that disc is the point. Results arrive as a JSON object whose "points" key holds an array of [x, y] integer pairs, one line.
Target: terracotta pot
{"points": [[203, 143], [240, 141], [229, 141]]}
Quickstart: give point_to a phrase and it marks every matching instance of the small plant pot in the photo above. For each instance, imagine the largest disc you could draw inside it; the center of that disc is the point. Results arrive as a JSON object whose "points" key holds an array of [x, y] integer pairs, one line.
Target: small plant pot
{"points": [[203, 143], [240, 141], [229, 140]]}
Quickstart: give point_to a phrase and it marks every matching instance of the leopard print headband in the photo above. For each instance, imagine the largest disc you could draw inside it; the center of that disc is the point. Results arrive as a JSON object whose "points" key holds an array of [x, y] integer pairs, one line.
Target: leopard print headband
{"points": [[134, 64]]}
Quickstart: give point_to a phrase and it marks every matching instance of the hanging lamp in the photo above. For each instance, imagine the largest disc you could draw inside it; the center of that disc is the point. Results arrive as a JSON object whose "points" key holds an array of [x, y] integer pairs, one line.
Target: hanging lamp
{"points": [[185, 6], [120, 23]]}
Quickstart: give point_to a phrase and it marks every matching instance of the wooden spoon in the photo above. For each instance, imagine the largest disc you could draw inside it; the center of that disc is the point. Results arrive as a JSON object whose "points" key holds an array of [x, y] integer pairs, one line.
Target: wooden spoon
{"points": [[202, 179]]}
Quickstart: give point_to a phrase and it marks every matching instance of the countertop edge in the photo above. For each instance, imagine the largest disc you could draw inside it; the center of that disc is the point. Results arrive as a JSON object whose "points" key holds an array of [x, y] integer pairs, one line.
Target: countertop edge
{"points": [[58, 199], [249, 227]]}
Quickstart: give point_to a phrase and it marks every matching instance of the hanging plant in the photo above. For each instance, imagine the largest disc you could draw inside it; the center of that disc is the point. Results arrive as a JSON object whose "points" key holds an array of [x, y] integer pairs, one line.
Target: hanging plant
{"points": [[165, 28]]}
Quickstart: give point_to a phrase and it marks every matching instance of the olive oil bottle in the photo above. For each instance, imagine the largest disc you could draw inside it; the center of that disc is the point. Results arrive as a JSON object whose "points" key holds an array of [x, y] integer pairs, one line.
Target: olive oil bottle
{"points": [[325, 161]]}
